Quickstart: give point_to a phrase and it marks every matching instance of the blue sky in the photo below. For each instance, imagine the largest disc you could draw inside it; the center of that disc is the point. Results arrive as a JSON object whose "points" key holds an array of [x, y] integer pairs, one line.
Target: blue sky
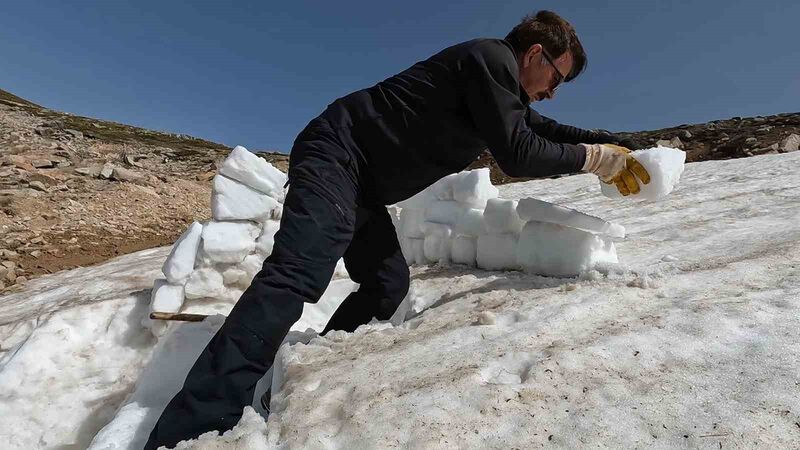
{"points": [[255, 72]]}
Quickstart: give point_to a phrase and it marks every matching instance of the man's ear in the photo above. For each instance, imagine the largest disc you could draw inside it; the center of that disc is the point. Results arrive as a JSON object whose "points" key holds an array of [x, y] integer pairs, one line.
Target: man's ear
{"points": [[532, 51]]}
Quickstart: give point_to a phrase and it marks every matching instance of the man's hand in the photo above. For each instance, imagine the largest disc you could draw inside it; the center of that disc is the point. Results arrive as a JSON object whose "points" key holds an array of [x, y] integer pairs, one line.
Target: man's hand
{"points": [[614, 164]]}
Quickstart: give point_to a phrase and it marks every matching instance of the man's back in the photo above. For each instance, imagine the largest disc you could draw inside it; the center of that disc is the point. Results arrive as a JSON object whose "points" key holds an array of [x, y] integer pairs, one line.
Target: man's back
{"points": [[420, 125]]}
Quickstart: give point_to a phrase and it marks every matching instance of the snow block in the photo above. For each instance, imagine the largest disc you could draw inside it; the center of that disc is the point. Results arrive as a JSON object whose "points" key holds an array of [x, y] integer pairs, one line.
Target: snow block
{"points": [[665, 166], [252, 265], [437, 242], [204, 283], [446, 212], [411, 223], [464, 250], [471, 223], [541, 211], [166, 297], [501, 216], [232, 200], [474, 188], [497, 251], [247, 168], [180, 262], [229, 242], [266, 240], [555, 250]]}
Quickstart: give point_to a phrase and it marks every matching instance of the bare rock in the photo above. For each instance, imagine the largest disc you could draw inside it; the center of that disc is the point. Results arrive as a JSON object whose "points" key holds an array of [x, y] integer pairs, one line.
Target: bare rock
{"points": [[20, 280], [89, 171], [107, 171], [127, 175], [790, 144], [75, 133], [42, 164], [38, 185]]}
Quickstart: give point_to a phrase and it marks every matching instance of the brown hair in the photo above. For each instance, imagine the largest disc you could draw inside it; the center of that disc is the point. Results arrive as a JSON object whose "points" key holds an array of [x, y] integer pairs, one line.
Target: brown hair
{"points": [[554, 33]]}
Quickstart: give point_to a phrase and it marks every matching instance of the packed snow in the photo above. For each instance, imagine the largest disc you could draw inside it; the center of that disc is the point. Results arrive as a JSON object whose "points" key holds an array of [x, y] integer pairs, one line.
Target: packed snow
{"points": [[665, 166], [690, 340]]}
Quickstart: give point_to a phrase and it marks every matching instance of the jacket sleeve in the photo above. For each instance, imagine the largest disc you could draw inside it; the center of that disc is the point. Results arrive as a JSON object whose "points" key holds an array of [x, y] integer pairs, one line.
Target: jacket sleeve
{"points": [[492, 93], [554, 131]]}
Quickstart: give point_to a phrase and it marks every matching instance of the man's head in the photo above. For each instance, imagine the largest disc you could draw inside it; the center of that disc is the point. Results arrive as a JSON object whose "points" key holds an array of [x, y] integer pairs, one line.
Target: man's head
{"points": [[548, 53]]}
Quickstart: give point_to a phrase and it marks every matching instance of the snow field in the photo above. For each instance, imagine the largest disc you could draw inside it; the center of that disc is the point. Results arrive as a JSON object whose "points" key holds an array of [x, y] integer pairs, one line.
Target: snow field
{"points": [[692, 343]]}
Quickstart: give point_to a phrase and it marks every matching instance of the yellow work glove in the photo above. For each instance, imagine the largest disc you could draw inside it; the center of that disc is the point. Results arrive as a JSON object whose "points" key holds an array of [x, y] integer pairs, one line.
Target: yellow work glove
{"points": [[614, 165]]}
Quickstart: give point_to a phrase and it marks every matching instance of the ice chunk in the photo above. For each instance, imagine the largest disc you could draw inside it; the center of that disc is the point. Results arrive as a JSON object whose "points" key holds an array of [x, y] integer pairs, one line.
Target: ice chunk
{"points": [[180, 262], [411, 223], [234, 276], [166, 297], [414, 251], [204, 283], [665, 166], [471, 223], [437, 242], [249, 169], [541, 211], [232, 200], [252, 265], [501, 216], [444, 211], [474, 188], [555, 250], [229, 242], [266, 239], [443, 189], [497, 251], [464, 250]]}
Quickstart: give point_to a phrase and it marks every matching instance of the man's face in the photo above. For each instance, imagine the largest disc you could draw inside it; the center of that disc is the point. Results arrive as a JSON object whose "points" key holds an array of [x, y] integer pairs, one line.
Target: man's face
{"points": [[538, 77]]}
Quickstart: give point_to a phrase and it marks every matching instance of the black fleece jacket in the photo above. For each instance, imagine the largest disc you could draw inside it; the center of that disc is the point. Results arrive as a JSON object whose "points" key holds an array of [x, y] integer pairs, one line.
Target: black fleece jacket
{"points": [[437, 116]]}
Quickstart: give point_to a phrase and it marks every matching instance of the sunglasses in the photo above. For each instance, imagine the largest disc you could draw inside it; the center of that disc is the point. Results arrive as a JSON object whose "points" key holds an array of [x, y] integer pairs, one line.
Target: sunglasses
{"points": [[558, 73]]}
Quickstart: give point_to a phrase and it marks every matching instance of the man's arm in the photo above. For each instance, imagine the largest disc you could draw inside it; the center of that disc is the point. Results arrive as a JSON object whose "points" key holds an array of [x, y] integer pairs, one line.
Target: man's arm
{"points": [[550, 129], [493, 99]]}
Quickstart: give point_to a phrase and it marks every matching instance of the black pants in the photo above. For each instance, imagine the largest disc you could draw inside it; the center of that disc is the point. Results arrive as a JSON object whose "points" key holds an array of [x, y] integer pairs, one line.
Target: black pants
{"points": [[325, 217]]}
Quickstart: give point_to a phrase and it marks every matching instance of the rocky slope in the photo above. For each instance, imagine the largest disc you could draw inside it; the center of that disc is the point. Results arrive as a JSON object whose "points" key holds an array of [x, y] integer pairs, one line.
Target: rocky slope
{"points": [[75, 191]]}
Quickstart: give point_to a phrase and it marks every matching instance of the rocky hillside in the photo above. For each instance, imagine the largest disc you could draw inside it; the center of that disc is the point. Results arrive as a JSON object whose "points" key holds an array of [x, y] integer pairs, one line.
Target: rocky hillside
{"points": [[75, 191]]}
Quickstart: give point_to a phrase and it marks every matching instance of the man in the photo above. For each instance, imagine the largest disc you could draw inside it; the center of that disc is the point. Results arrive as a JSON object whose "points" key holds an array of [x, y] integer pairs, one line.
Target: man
{"points": [[376, 147]]}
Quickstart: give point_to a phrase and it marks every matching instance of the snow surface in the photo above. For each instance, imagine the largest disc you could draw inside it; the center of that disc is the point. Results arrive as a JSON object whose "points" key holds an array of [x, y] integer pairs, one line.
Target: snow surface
{"points": [[691, 341]]}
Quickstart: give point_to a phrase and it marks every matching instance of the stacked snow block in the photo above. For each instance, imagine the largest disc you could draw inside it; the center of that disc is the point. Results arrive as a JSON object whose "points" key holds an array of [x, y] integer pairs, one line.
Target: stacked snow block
{"points": [[442, 223], [218, 259], [558, 241], [460, 219]]}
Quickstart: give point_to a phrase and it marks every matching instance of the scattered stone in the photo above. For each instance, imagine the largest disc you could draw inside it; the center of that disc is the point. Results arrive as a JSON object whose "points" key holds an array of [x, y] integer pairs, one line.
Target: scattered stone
{"points": [[107, 171], [36, 253], [88, 171], [42, 164], [790, 144], [131, 160], [75, 133], [10, 265], [121, 174], [38, 185], [19, 162], [20, 280], [686, 134], [751, 140], [3, 272], [11, 276]]}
